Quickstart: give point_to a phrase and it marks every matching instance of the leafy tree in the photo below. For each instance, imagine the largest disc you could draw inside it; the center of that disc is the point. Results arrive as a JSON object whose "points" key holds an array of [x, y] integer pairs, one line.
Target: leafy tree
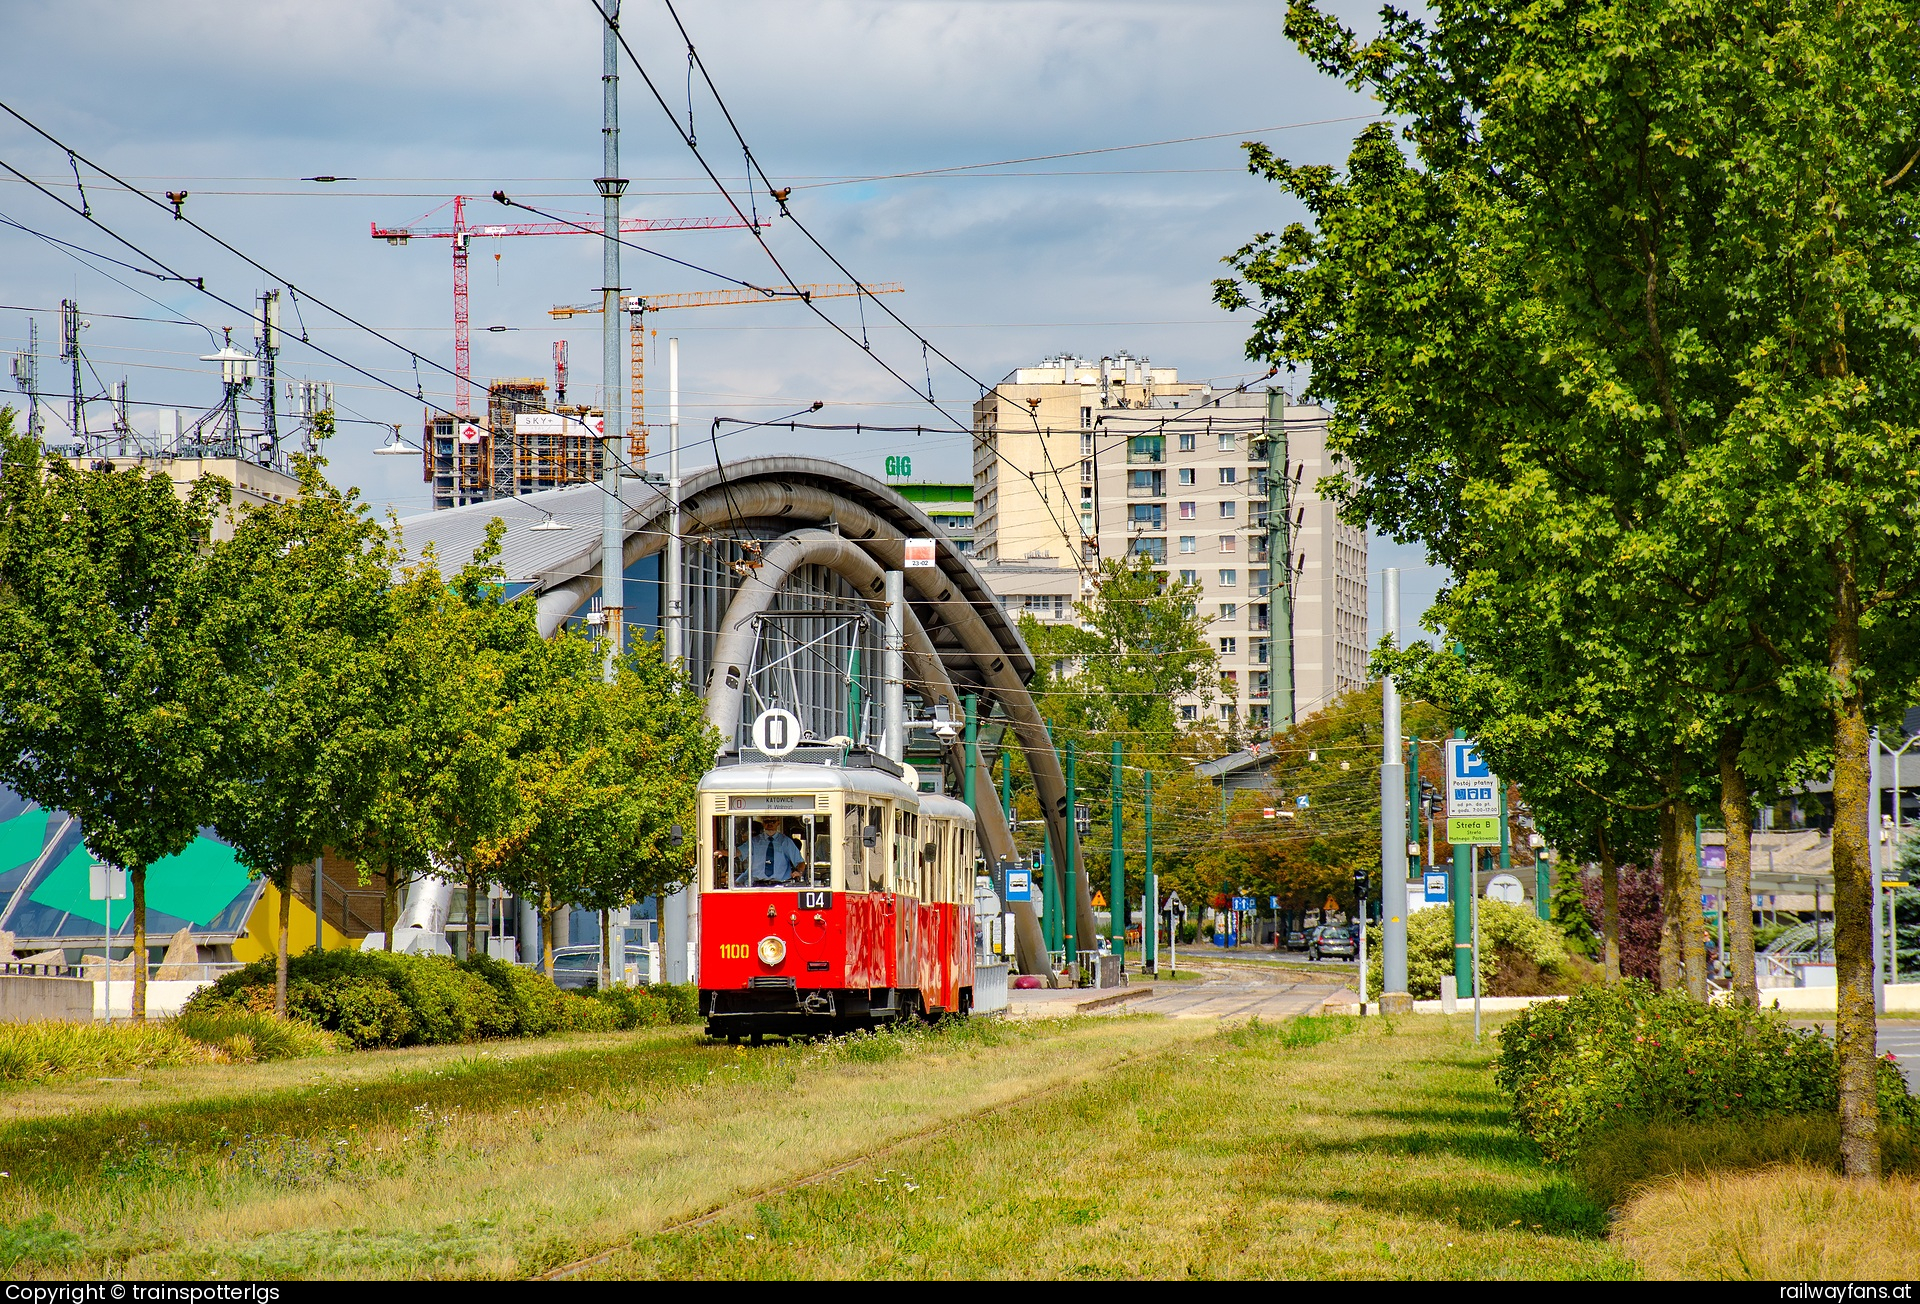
{"points": [[601, 773], [439, 759], [660, 744], [107, 701], [298, 617], [1137, 646], [1652, 269]]}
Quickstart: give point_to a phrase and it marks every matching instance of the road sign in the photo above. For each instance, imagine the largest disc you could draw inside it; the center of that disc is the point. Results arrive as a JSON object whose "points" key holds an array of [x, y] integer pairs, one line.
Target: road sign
{"points": [[1472, 789], [1019, 885], [106, 882], [1505, 887], [1243, 903], [1303, 801], [776, 732], [1435, 882], [1273, 903], [1474, 831]]}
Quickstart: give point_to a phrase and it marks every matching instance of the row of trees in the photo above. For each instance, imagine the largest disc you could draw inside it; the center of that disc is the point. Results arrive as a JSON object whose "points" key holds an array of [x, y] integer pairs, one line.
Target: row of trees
{"points": [[301, 685], [1621, 328]]}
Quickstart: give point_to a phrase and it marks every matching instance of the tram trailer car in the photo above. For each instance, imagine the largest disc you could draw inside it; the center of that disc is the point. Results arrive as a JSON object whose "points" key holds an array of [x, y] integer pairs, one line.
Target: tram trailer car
{"points": [[831, 898]]}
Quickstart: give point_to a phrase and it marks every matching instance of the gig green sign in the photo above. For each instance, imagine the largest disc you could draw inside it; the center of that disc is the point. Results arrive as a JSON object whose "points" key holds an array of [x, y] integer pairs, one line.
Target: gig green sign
{"points": [[900, 466]]}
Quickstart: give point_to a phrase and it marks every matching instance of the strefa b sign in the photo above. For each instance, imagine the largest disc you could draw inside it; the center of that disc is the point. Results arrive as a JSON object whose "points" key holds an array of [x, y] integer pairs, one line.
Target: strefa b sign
{"points": [[1473, 796]]}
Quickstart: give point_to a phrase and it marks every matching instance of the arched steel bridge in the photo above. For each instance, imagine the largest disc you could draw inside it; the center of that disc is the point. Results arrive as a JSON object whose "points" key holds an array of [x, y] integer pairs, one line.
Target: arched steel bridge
{"points": [[783, 566]]}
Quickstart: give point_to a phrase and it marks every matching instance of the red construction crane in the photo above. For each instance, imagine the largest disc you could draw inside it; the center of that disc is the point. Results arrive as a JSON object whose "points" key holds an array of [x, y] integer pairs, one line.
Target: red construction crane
{"points": [[637, 306], [461, 234]]}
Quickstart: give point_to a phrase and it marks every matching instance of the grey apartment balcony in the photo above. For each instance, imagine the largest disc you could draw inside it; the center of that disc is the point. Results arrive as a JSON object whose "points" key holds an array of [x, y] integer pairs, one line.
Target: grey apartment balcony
{"points": [[1146, 484]]}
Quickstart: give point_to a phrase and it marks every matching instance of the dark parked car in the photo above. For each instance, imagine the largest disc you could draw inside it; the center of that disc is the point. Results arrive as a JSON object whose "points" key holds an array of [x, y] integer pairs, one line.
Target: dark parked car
{"points": [[1332, 940], [1296, 940], [577, 968]]}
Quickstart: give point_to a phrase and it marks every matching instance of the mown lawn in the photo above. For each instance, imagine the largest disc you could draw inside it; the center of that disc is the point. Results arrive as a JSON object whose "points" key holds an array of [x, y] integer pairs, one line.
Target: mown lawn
{"points": [[1094, 1147], [498, 1160], [1315, 1148]]}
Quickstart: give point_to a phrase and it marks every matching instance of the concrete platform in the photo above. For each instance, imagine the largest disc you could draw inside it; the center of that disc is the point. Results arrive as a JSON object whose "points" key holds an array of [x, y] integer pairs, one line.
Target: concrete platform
{"points": [[1040, 1003]]}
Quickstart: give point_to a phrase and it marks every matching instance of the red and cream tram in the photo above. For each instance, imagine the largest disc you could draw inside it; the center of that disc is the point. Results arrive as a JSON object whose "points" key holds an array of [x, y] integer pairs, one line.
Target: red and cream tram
{"points": [[832, 897]]}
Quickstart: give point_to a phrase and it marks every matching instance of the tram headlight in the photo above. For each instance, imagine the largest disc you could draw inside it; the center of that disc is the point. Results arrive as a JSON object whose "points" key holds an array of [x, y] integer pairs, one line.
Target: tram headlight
{"points": [[772, 950]]}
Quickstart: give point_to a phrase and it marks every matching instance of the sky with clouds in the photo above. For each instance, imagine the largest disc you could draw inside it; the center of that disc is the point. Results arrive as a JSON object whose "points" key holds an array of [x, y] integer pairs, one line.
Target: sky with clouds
{"points": [[419, 100]]}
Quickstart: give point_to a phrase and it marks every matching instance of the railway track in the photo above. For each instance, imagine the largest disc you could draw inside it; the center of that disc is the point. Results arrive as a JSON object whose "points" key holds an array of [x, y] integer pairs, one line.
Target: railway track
{"points": [[831, 1171]]}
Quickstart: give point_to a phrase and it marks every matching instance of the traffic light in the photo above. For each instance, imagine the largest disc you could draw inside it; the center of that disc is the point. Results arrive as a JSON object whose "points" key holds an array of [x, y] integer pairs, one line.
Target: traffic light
{"points": [[1360, 877]]}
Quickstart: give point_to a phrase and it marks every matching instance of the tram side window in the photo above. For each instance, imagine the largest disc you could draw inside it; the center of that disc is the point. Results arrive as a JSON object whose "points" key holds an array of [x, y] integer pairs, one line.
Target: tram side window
{"points": [[772, 851], [853, 848]]}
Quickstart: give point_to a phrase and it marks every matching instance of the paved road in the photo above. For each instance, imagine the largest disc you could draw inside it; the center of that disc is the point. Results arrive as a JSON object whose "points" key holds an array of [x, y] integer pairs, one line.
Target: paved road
{"points": [[1230, 998], [1901, 1039]]}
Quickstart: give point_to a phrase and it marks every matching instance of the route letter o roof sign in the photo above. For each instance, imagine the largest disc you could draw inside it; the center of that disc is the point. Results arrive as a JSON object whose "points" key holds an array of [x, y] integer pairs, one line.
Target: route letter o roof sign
{"points": [[776, 732], [919, 553]]}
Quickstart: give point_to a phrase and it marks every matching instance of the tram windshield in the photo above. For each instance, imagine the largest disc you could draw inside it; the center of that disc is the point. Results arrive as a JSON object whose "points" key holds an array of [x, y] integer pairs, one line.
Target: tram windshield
{"points": [[772, 851]]}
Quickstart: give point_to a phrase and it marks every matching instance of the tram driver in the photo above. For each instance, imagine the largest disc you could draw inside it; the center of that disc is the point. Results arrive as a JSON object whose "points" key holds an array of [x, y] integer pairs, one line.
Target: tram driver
{"points": [[773, 853]]}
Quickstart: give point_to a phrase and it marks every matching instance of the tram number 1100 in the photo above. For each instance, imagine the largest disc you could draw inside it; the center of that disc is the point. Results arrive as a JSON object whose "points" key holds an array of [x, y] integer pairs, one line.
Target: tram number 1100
{"points": [[734, 951]]}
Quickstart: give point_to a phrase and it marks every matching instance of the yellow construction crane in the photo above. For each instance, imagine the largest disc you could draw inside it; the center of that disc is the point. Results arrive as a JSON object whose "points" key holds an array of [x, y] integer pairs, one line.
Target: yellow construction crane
{"points": [[637, 306]]}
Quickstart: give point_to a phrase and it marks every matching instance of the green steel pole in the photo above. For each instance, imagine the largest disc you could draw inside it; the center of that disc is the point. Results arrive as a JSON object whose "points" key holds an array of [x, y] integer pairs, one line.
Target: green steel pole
{"points": [[1542, 881], [973, 748], [853, 696], [1117, 875], [1462, 914], [1150, 925], [1050, 911], [1413, 791], [1069, 879], [1506, 853]]}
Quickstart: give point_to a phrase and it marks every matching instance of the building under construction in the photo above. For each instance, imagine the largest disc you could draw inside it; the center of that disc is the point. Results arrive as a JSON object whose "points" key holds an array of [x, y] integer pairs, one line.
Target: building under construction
{"points": [[523, 446]]}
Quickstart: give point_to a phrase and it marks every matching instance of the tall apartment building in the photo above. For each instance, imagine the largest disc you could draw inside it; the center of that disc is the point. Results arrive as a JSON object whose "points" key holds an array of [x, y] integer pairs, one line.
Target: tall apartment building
{"points": [[523, 446], [1077, 460]]}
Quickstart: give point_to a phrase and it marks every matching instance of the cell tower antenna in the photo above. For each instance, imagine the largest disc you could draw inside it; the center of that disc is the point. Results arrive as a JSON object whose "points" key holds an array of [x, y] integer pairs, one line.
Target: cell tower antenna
{"points": [[70, 352], [268, 339], [26, 378]]}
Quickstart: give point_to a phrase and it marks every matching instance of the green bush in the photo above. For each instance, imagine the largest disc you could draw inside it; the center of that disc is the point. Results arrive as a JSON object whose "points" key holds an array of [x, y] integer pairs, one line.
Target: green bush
{"points": [[245, 1036], [536, 1006], [1613, 1055], [374, 998], [650, 1007], [1517, 948]]}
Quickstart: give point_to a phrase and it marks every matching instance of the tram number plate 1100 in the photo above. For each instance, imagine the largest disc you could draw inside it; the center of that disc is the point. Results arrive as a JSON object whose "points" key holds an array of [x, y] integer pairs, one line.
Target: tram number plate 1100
{"points": [[816, 900]]}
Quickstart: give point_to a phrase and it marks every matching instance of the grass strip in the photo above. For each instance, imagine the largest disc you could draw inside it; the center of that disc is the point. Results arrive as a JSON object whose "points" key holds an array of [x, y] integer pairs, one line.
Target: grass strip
{"points": [[450, 1168], [1324, 1147], [1789, 1223]]}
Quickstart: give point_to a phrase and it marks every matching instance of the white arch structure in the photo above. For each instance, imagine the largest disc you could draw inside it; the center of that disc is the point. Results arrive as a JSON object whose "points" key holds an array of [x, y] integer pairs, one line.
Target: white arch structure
{"points": [[803, 512]]}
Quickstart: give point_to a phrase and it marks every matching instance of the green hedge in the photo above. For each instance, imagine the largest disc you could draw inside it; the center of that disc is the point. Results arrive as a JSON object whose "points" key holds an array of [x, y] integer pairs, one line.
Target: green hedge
{"points": [[374, 998], [1631, 1054], [1511, 938]]}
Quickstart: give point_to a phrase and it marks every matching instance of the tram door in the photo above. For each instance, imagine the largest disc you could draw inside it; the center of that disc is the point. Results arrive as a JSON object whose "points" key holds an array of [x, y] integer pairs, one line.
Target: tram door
{"points": [[905, 897]]}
